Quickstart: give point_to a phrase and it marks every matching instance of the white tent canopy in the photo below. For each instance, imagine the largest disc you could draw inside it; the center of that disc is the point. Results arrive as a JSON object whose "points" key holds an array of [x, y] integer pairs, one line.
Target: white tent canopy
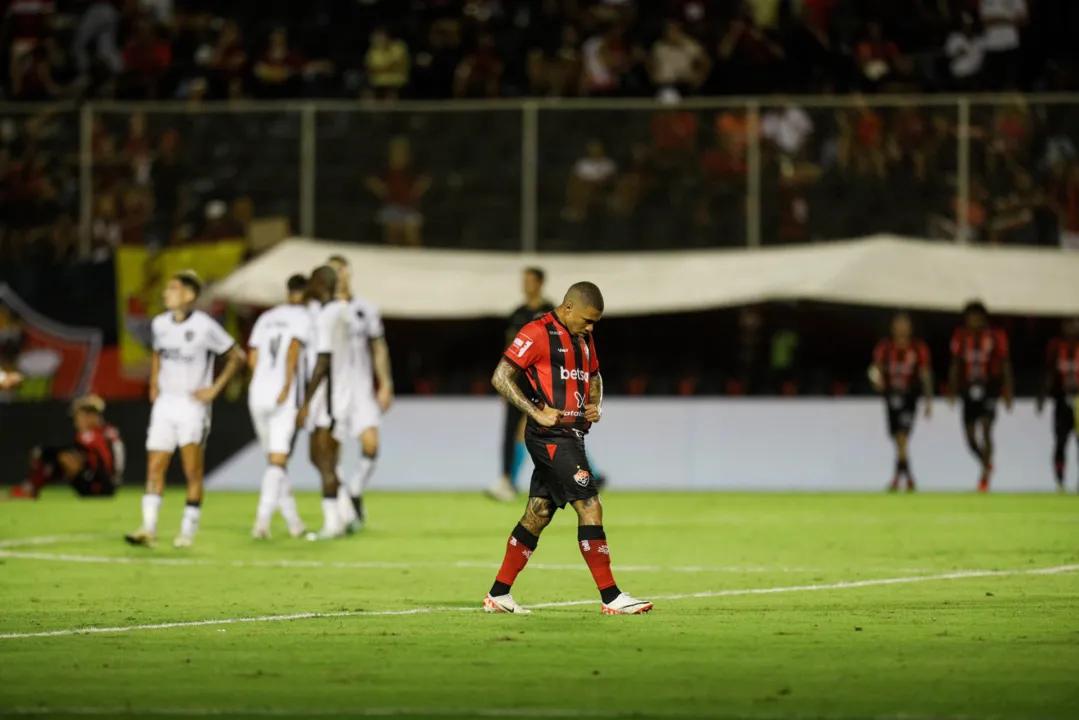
{"points": [[884, 271]]}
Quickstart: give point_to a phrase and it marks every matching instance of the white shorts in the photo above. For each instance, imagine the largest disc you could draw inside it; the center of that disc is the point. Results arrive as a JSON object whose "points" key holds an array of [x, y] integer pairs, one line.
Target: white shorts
{"points": [[175, 422], [362, 414], [275, 427]]}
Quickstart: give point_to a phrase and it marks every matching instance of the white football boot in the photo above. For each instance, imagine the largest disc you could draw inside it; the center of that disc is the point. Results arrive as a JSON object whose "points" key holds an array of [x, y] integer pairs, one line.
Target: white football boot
{"points": [[183, 541], [503, 604], [260, 532], [626, 605], [141, 537]]}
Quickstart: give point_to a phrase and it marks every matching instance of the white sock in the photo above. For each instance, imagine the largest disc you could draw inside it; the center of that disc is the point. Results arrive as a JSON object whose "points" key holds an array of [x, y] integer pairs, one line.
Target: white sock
{"points": [[331, 518], [190, 524], [344, 505], [360, 479], [269, 495], [287, 503], [151, 505]]}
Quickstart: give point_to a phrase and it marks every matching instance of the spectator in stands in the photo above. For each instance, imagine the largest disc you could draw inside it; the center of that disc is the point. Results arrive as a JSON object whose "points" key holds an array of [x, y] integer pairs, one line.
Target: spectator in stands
{"points": [[32, 77], [147, 57], [400, 188], [965, 49], [878, 58], [1002, 20], [1064, 201], [480, 72], [137, 154], [788, 128], [674, 134], [591, 178], [606, 58], [387, 66], [723, 179], [678, 61], [750, 62], [97, 33], [27, 24], [106, 231], [279, 72], [228, 61], [436, 65], [169, 177], [557, 73], [636, 182]]}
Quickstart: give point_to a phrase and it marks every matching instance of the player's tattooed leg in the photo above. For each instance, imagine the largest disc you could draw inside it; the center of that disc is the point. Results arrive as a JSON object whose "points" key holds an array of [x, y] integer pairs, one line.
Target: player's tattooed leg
{"points": [[589, 511], [538, 514]]}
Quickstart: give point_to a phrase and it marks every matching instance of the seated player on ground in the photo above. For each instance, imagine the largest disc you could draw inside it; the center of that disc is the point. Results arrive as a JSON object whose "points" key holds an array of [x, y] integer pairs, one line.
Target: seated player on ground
{"points": [[93, 465]]}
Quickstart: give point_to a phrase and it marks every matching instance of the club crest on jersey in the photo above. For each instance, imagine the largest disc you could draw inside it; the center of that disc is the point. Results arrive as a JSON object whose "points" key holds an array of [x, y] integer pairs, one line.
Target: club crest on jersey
{"points": [[189, 335], [581, 478]]}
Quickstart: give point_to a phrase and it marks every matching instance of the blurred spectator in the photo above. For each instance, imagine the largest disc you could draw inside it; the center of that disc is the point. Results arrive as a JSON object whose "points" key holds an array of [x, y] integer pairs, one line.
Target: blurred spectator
{"points": [[32, 77], [1002, 20], [678, 61], [606, 59], [279, 71], [97, 33], [400, 188], [674, 134], [221, 223], [788, 128], [750, 62], [723, 172], [169, 176], [27, 24], [1064, 201], [436, 65], [557, 73], [106, 231], [965, 49], [591, 178], [479, 73], [387, 65], [228, 60], [877, 57], [147, 57]]}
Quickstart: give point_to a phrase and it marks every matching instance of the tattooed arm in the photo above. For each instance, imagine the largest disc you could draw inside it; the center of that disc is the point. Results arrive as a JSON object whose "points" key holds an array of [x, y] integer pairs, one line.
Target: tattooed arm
{"points": [[505, 382], [593, 410]]}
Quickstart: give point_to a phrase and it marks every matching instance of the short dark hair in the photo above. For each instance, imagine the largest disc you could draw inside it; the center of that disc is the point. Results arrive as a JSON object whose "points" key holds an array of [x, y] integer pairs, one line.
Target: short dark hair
{"points": [[189, 279], [339, 259], [297, 283], [325, 277], [586, 293], [538, 272], [975, 306]]}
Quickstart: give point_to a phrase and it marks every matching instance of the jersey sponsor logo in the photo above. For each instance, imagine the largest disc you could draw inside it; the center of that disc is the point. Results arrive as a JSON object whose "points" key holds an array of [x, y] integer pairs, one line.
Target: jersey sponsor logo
{"points": [[574, 374], [579, 398], [563, 350], [175, 355], [581, 478], [555, 332]]}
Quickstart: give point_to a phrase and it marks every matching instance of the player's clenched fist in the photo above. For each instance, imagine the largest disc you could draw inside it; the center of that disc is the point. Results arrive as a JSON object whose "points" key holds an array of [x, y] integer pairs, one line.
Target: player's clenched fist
{"points": [[549, 416], [592, 413]]}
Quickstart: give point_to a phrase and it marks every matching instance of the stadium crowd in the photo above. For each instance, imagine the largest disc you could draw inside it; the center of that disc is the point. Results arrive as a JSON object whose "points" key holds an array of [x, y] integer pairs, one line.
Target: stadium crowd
{"points": [[854, 160]]}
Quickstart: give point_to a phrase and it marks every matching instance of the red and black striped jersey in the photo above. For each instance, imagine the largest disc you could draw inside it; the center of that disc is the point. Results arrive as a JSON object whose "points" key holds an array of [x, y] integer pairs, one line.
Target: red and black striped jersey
{"points": [[981, 354], [104, 450], [558, 366], [1062, 366], [899, 365]]}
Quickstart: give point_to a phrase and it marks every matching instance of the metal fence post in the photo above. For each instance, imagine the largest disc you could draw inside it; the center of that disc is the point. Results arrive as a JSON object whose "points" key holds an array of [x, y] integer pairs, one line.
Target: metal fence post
{"points": [[529, 173], [962, 219], [308, 159], [753, 173], [86, 178]]}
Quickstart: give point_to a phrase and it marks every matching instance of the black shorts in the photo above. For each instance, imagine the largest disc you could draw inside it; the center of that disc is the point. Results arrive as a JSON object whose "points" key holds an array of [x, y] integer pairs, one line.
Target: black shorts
{"points": [[979, 404], [1063, 418], [562, 474], [902, 410], [93, 484]]}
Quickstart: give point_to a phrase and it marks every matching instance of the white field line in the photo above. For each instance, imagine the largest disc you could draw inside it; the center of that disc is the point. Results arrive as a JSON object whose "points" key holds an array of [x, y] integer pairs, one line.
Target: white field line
{"points": [[540, 713], [376, 565], [424, 611]]}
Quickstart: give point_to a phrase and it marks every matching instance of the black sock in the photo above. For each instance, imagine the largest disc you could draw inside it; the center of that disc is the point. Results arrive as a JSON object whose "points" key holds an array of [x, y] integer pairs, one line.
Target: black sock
{"points": [[357, 504], [499, 589], [608, 595], [902, 467]]}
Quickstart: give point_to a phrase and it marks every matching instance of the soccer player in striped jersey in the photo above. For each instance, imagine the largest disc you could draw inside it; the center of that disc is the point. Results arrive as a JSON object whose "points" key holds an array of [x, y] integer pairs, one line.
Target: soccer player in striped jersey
{"points": [[1062, 384], [896, 362], [981, 372], [557, 354], [276, 357]]}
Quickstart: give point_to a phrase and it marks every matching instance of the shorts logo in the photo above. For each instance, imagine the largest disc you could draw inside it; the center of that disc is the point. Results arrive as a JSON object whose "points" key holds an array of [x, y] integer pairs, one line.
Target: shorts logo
{"points": [[581, 478], [513, 541], [585, 546]]}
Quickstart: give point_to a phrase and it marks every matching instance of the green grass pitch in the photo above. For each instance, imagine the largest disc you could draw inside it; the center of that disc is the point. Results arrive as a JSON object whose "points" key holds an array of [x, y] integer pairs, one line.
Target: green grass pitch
{"points": [[767, 606]]}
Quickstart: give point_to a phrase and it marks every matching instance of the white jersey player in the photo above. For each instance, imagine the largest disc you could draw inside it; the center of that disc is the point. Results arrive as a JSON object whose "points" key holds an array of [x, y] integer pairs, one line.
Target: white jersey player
{"points": [[328, 397], [276, 356], [371, 362], [182, 389]]}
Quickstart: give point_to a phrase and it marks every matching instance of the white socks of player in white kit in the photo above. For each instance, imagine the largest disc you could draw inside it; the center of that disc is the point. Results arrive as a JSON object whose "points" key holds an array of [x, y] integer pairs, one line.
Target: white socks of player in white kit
{"points": [[269, 495], [151, 506], [276, 493], [190, 523], [331, 518]]}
